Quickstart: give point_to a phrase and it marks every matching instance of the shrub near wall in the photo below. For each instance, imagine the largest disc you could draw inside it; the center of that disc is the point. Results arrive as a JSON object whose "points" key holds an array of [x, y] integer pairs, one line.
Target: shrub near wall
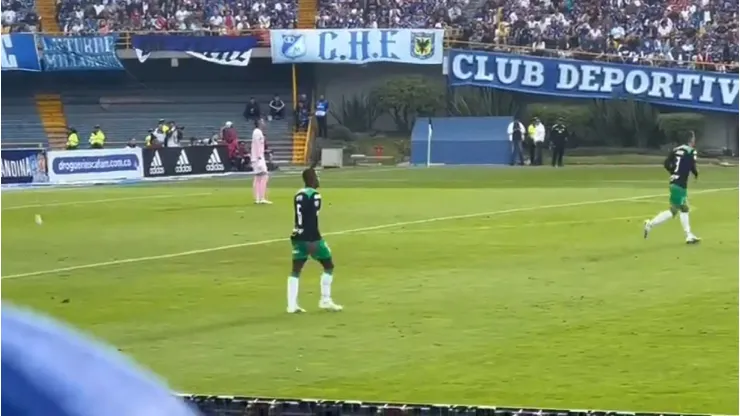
{"points": [[619, 123]]}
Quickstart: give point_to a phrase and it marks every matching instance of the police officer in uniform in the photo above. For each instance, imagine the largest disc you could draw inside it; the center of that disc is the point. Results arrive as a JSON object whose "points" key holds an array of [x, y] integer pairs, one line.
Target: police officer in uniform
{"points": [[558, 138]]}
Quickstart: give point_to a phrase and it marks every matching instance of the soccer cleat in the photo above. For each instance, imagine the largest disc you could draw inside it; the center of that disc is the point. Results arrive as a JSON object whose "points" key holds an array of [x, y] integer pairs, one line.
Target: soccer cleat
{"points": [[329, 305], [646, 229], [265, 202], [692, 239], [297, 309]]}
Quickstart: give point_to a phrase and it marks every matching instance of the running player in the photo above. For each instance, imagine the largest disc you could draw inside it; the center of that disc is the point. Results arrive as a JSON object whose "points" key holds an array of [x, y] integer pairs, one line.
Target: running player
{"points": [[679, 163], [306, 240]]}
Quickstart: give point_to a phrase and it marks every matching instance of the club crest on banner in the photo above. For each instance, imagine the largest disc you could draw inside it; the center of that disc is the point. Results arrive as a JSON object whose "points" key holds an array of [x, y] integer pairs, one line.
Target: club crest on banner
{"points": [[422, 45], [293, 46]]}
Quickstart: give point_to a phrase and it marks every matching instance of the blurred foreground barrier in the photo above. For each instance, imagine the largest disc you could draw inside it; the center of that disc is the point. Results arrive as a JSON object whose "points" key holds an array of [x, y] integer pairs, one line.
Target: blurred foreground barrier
{"points": [[252, 406]]}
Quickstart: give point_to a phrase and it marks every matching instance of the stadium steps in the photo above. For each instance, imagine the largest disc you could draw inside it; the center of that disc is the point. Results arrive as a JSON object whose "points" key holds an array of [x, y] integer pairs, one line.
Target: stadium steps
{"points": [[300, 140], [307, 14], [48, 14], [52, 117]]}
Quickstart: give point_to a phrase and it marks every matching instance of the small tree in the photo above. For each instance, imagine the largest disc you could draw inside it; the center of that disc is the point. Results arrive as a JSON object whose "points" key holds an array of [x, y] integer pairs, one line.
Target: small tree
{"points": [[357, 113], [406, 97]]}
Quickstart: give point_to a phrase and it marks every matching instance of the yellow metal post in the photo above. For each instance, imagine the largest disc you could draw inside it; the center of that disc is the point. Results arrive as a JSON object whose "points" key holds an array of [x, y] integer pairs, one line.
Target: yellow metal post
{"points": [[295, 87]]}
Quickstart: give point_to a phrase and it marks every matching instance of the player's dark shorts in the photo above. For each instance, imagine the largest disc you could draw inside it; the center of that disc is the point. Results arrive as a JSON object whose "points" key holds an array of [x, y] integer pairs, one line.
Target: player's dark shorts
{"points": [[301, 251], [678, 196]]}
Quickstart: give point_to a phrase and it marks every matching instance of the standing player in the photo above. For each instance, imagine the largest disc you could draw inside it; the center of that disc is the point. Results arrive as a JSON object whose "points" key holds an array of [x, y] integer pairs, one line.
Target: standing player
{"points": [[259, 164], [306, 240], [679, 163]]}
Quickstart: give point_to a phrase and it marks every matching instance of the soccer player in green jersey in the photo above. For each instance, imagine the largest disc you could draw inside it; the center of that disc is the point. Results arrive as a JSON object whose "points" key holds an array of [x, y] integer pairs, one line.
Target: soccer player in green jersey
{"points": [[307, 242], [679, 163]]}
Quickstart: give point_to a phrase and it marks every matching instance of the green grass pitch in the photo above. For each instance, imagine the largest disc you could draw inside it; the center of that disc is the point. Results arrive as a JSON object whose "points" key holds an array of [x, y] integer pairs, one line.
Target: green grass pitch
{"points": [[529, 287]]}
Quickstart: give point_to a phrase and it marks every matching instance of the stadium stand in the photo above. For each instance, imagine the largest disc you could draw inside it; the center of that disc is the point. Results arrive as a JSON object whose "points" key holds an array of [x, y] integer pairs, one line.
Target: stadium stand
{"points": [[21, 124], [126, 113], [699, 34]]}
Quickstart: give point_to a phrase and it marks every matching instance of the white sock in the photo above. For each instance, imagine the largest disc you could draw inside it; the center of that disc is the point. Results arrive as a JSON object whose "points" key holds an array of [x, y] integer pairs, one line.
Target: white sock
{"points": [[326, 280], [661, 218], [293, 292], [684, 217]]}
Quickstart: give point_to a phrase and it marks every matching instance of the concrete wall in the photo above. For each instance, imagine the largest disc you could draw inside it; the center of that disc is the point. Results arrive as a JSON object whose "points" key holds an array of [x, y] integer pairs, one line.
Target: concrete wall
{"points": [[335, 81]]}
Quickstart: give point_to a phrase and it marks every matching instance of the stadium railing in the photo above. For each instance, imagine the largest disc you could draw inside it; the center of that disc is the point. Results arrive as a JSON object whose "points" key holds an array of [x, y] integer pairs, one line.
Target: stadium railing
{"points": [[255, 406], [452, 40], [124, 37], [23, 145]]}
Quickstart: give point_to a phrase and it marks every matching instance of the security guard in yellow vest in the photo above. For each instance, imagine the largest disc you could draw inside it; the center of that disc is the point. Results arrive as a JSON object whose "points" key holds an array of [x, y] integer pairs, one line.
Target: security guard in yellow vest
{"points": [[149, 139], [530, 141], [97, 138], [73, 140]]}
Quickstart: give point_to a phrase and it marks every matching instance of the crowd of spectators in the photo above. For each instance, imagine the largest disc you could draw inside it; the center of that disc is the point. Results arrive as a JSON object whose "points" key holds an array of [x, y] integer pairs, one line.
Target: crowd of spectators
{"points": [[19, 16], [701, 34], [223, 17]]}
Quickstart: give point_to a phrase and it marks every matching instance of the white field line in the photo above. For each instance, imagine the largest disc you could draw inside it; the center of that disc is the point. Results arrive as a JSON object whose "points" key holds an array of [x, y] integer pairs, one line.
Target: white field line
{"points": [[100, 201], [506, 226], [343, 232]]}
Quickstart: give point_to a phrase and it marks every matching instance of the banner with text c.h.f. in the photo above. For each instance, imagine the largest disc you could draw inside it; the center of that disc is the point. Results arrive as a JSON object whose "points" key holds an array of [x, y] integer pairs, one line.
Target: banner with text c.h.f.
{"points": [[357, 46], [706, 91]]}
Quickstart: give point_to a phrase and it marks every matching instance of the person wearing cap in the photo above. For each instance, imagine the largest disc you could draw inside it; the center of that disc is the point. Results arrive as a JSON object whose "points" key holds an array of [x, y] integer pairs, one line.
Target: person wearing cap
{"points": [[97, 138], [558, 138]]}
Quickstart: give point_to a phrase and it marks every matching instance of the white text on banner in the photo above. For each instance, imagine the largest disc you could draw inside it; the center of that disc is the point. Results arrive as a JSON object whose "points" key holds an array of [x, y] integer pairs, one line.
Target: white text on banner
{"points": [[357, 46], [95, 164]]}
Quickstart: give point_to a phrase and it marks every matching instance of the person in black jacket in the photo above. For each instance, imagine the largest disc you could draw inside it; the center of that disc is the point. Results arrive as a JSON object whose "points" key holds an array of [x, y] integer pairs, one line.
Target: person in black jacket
{"points": [[252, 110], [558, 139]]}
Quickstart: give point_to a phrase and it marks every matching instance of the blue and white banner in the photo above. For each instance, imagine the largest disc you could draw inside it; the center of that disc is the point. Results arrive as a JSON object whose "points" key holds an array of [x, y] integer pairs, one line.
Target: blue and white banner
{"points": [[95, 164], [222, 50], [24, 166], [80, 53], [20, 53], [357, 46], [708, 91]]}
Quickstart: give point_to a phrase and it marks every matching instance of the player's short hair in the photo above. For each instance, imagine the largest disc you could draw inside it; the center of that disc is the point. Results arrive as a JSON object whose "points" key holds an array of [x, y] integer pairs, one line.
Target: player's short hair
{"points": [[308, 175]]}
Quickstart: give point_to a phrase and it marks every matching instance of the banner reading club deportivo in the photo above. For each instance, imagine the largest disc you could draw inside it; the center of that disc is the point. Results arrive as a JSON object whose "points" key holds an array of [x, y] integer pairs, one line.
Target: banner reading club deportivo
{"points": [[709, 91], [357, 46]]}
